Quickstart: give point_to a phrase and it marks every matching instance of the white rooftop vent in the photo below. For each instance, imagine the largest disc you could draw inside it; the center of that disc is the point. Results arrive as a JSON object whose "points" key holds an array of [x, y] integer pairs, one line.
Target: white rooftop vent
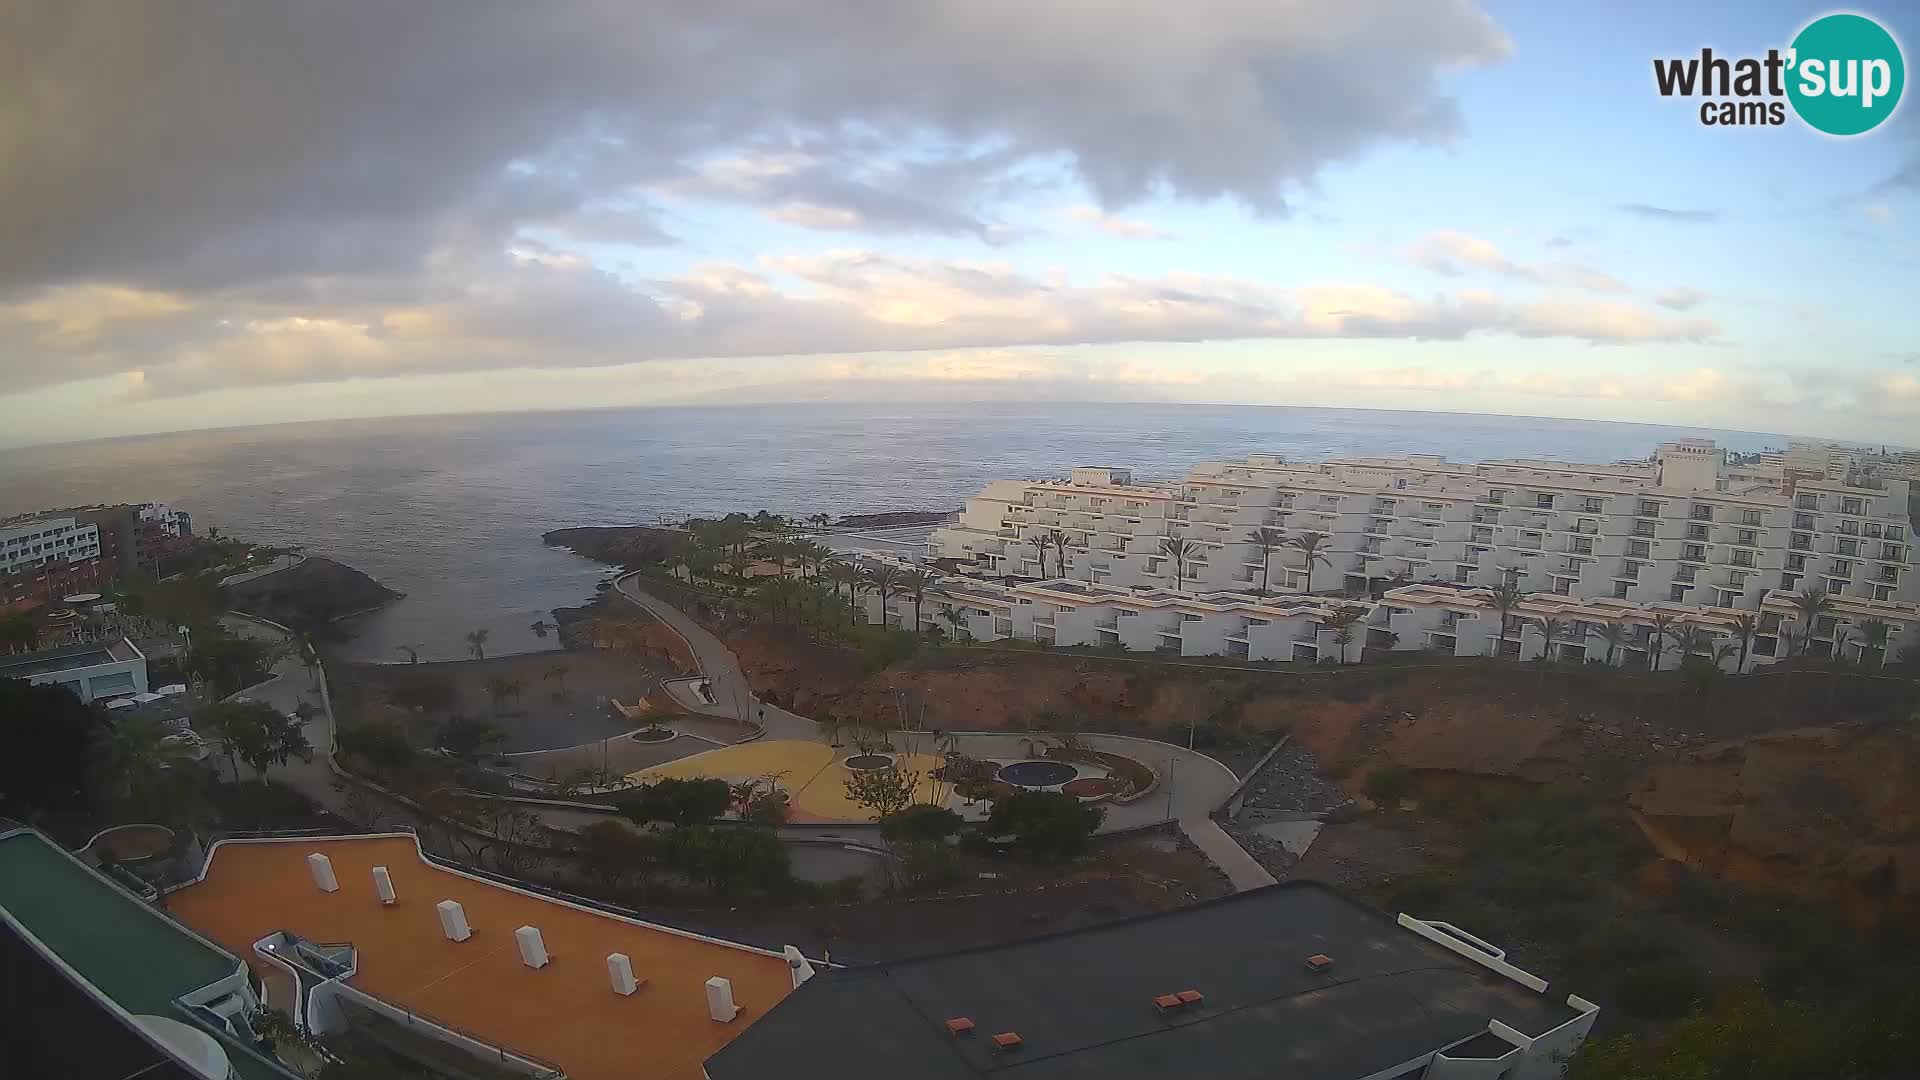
{"points": [[720, 1004], [453, 920], [383, 885], [799, 965], [620, 974], [533, 950], [321, 868]]}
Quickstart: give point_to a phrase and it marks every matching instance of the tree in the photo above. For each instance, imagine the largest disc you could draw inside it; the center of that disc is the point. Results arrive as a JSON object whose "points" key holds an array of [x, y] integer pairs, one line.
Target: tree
{"points": [[500, 688], [920, 824], [412, 651], [821, 520], [1507, 597], [556, 673], [1662, 629], [1873, 642], [468, 738], [47, 743], [956, 621], [1061, 541], [1342, 621], [136, 758], [477, 644], [682, 803], [1551, 630], [849, 575], [883, 581], [885, 792], [256, 733], [540, 628], [1614, 634], [727, 858], [1308, 544], [1267, 539], [1044, 823], [915, 583], [17, 632], [1808, 606], [1745, 627], [1179, 549], [615, 854]]}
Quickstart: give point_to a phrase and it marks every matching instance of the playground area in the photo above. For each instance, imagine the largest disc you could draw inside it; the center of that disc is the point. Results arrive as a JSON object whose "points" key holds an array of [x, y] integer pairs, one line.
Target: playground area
{"points": [[813, 775]]}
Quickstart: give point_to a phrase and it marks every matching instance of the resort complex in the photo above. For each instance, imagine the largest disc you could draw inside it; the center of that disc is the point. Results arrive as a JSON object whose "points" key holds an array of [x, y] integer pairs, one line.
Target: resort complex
{"points": [[1271, 560]]}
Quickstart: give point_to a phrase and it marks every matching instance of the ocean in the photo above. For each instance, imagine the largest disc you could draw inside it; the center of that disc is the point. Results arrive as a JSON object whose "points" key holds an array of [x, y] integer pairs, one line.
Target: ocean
{"points": [[450, 509]]}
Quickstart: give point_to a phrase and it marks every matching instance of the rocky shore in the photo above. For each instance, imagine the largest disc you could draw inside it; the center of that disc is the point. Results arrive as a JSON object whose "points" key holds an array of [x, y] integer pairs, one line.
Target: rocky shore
{"points": [[311, 595], [626, 546]]}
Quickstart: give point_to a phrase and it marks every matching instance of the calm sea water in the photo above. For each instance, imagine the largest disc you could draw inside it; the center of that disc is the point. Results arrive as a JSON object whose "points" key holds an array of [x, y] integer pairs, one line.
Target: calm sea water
{"points": [[450, 509]]}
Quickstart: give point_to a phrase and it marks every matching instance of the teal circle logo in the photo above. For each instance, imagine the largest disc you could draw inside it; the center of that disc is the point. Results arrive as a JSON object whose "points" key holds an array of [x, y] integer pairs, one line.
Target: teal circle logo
{"points": [[1845, 74]]}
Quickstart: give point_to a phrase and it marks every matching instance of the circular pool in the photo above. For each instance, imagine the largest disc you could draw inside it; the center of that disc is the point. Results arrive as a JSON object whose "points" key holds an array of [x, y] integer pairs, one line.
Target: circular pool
{"points": [[1037, 774], [868, 762]]}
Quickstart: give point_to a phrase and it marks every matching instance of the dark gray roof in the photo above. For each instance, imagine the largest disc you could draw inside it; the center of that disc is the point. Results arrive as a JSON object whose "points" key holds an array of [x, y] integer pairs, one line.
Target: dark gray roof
{"points": [[1082, 1002]]}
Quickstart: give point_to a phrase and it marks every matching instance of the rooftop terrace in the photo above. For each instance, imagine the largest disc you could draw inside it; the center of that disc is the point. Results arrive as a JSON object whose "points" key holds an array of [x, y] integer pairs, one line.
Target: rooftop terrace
{"points": [[67, 658], [564, 1012]]}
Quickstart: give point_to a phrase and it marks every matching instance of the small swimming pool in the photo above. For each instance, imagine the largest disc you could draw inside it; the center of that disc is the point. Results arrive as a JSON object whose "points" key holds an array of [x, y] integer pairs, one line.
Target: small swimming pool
{"points": [[1037, 774]]}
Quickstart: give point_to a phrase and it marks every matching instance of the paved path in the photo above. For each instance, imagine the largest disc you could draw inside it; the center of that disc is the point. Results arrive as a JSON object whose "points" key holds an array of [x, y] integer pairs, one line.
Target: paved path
{"points": [[1230, 857], [293, 685], [732, 695]]}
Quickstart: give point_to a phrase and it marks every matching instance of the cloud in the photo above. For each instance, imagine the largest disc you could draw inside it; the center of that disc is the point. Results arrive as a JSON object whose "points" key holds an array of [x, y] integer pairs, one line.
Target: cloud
{"points": [[1128, 228], [1670, 215], [1453, 253], [1679, 298], [1879, 213], [211, 144]]}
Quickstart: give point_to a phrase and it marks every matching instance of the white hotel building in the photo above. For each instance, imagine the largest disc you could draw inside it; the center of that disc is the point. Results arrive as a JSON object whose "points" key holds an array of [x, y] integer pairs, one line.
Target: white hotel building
{"points": [[1682, 535], [34, 542]]}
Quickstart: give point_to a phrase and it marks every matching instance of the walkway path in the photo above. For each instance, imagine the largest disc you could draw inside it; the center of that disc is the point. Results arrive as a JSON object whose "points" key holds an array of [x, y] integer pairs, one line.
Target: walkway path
{"points": [[1223, 852], [731, 693], [293, 685]]}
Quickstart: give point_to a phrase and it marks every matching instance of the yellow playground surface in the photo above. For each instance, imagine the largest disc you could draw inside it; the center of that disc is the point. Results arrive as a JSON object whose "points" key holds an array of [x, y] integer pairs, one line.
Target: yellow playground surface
{"points": [[810, 772]]}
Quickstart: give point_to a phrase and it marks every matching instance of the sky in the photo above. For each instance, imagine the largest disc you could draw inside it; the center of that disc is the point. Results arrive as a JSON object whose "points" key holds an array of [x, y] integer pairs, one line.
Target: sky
{"points": [[220, 213]]}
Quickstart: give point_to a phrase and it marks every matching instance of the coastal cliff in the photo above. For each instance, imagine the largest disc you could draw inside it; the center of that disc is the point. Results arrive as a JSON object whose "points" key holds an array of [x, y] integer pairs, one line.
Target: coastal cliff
{"points": [[626, 546], [310, 595]]}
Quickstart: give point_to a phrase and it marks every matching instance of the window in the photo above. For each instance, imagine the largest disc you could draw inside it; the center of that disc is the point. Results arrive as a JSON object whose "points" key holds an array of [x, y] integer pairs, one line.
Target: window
{"points": [[1848, 547], [1640, 549], [1460, 574], [1746, 538], [1789, 582], [1593, 506], [1728, 599], [1696, 532], [1643, 528], [1677, 594], [1648, 508], [1826, 624], [1497, 497], [1743, 558], [1852, 506], [1882, 592], [1703, 513], [1543, 501], [1850, 528], [1803, 521], [1619, 590], [1807, 502], [1749, 517], [1684, 573], [1888, 573], [1630, 571], [1842, 568], [1801, 542], [1894, 532], [1693, 553], [1582, 546]]}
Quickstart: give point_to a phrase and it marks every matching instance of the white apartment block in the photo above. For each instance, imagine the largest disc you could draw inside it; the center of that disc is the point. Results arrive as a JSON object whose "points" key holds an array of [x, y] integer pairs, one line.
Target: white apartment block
{"points": [[1680, 529], [26, 545], [1438, 618]]}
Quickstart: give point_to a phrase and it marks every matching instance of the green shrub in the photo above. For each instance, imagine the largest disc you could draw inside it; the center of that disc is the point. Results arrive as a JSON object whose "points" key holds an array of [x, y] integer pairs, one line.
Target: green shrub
{"points": [[1389, 784]]}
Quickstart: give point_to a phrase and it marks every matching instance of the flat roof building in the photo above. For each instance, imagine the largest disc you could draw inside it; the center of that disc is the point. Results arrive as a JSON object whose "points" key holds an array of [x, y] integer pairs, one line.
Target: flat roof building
{"points": [[106, 984], [564, 1012], [94, 670], [1290, 980]]}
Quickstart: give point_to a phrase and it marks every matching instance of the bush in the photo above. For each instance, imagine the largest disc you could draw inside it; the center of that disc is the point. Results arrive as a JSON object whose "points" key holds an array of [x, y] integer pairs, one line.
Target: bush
{"points": [[1389, 784], [1045, 823], [682, 803], [379, 744], [929, 864], [1661, 989], [920, 824]]}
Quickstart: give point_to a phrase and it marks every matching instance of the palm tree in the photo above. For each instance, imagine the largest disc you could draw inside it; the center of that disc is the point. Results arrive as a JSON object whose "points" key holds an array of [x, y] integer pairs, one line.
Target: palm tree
{"points": [[821, 520], [412, 651], [477, 644], [1506, 598], [1308, 544], [1179, 549], [884, 581], [1266, 538], [1745, 627], [956, 622], [849, 575], [915, 583], [557, 673], [1873, 638], [1060, 540], [1615, 635], [540, 628], [1342, 621], [1662, 626], [1808, 606], [1552, 629]]}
